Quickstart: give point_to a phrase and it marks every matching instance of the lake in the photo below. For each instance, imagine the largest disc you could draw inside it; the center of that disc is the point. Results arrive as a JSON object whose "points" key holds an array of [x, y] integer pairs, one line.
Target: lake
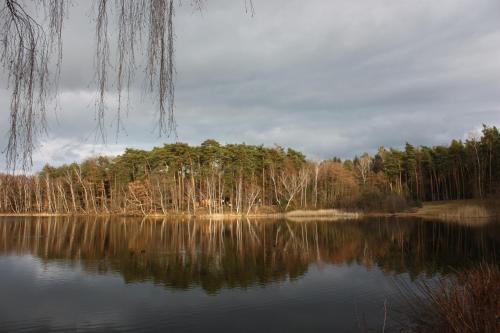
{"points": [[129, 274]]}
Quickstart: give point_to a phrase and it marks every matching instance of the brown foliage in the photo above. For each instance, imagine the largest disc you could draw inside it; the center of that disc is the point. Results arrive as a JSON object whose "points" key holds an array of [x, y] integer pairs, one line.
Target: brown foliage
{"points": [[468, 303], [337, 185]]}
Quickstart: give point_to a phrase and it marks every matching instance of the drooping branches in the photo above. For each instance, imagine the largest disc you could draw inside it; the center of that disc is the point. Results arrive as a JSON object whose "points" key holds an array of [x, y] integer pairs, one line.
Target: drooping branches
{"points": [[141, 25], [28, 45], [25, 54]]}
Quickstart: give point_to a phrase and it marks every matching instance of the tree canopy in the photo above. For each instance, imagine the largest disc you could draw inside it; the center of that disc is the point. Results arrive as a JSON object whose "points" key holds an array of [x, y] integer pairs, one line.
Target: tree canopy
{"points": [[241, 179]]}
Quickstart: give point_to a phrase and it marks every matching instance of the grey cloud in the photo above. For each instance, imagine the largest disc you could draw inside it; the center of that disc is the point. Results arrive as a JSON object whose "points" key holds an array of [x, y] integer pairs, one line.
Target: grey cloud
{"points": [[329, 77]]}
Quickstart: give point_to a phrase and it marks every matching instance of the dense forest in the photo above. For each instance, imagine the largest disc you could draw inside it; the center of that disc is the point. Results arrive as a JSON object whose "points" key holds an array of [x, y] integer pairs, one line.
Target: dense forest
{"points": [[243, 179]]}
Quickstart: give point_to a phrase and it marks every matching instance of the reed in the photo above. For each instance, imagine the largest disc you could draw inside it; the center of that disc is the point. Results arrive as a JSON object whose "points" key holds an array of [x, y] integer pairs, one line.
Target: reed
{"points": [[323, 213], [466, 303]]}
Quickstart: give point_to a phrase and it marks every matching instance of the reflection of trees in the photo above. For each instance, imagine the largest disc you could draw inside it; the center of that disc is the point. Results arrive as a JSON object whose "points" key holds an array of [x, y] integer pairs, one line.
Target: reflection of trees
{"points": [[216, 254]]}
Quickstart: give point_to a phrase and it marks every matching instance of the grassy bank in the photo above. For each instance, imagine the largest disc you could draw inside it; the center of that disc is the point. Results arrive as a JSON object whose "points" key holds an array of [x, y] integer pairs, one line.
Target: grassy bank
{"points": [[467, 211]]}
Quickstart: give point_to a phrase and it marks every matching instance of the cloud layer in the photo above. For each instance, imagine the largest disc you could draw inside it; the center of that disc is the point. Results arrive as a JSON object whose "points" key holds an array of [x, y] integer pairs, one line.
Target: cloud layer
{"points": [[329, 77]]}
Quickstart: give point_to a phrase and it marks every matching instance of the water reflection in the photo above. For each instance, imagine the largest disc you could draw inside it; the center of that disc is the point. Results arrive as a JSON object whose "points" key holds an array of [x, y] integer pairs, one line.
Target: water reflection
{"points": [[227, 254]]}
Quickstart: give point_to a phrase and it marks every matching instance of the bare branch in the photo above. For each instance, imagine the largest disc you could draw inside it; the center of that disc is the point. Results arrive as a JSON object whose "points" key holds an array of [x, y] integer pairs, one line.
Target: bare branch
{"points": [[26, 49], [25, 54]]}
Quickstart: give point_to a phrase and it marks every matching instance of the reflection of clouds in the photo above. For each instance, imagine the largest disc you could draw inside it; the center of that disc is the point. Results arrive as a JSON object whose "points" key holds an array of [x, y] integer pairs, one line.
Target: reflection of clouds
{"points": [[22, 264], [86, 301], [58, 272], [42, 272], [52, 295]]}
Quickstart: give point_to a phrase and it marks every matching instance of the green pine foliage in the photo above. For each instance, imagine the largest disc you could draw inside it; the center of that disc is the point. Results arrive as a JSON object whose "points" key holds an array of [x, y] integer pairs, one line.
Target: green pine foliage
{"points": [[243, 179]]}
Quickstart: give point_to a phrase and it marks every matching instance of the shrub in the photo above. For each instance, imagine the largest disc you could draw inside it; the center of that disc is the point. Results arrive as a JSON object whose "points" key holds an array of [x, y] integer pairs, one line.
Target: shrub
{"points": [[372, 199], [467, 303], [394, 203], [417, 203]]}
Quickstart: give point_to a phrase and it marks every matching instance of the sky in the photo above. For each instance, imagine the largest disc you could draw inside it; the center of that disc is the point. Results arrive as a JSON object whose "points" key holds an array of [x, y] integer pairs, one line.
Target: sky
{"points": [[326, 77]]}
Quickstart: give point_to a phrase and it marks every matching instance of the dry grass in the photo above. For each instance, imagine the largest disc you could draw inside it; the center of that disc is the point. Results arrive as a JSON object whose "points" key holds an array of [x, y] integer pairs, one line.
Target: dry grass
{"points": [[470, 212], [467, 303], [323, 213], [458, 209]]}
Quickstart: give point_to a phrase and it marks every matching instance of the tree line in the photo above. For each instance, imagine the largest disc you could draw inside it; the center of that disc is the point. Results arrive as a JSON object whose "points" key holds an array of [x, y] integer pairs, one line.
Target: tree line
{"points": [[244, 179]]}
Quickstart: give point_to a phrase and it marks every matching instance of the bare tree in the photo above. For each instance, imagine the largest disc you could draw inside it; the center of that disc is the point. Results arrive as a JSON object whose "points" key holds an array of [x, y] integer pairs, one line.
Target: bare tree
{"points": [[293, 184], [317, 166], [363, 166], [474, 139], [28, 44]]}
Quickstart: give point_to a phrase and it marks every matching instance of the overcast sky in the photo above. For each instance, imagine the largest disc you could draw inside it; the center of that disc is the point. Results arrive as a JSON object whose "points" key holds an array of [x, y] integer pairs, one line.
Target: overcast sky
{"points": [[328, 77]]}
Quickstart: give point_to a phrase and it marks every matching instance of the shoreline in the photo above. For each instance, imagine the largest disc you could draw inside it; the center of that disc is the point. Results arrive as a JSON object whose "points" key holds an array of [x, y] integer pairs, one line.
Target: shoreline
{"points": [[458, 210]]}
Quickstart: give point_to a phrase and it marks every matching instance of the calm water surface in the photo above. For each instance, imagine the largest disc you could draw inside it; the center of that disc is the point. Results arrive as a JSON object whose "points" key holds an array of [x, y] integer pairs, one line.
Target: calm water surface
{"points": [[124, 274]]}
